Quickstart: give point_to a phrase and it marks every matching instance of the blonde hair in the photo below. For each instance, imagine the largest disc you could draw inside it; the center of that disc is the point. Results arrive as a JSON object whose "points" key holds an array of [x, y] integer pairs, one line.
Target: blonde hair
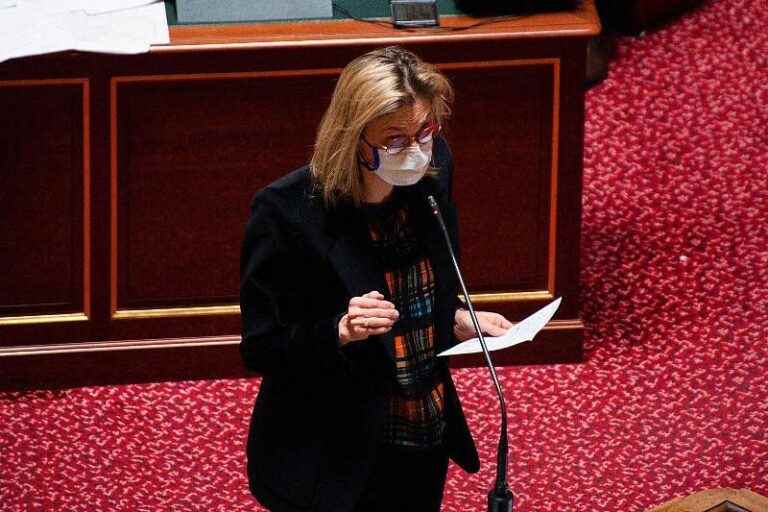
{"points": [[372, 85]]}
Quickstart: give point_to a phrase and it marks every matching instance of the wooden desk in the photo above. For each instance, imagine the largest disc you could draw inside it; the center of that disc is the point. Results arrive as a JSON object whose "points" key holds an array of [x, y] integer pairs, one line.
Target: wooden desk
{"points": [[126, 182]]}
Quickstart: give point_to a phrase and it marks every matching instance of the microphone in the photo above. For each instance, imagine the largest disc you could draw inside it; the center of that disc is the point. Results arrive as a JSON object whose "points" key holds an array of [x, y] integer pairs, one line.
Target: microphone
{"points": [[500, 498]]}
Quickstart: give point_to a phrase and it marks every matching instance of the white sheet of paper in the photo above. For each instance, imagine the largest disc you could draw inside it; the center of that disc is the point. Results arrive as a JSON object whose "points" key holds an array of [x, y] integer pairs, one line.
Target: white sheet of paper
{"points": [[100, 6], [89, 6], [522, 331], [23, 34], [143, 26], [25, 31]]}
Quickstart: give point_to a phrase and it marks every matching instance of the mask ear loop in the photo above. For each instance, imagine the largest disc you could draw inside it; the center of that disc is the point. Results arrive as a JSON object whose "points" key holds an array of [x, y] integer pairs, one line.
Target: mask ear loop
{"points": [[376, 160]]}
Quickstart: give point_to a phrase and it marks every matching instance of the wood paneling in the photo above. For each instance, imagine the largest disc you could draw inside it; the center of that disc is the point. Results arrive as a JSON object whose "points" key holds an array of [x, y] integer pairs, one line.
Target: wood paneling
{"points": [[44, 201], [503, 156], [181, 142], [716, 500], [167, 148]]}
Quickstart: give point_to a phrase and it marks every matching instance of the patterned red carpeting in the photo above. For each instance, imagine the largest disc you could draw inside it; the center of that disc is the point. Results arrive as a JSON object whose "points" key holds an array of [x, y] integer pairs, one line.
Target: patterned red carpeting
{"points": [[673, 397]]}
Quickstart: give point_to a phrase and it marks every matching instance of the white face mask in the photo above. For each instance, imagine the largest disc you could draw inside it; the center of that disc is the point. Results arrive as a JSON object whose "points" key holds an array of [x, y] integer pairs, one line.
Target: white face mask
{"points": [[405, 168]]}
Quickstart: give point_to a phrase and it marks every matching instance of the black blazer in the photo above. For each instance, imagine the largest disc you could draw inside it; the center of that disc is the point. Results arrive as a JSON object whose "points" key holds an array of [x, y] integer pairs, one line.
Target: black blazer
{"points": [[320, 408]]}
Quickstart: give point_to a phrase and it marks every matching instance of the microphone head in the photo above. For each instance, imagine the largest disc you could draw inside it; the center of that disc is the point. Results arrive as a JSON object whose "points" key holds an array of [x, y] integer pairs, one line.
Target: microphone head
{"points": [[433, 205]]}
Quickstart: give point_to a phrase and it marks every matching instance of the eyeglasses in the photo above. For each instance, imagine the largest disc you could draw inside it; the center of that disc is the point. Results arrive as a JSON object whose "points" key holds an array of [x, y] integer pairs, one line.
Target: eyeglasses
{"points": [[398, 143]]}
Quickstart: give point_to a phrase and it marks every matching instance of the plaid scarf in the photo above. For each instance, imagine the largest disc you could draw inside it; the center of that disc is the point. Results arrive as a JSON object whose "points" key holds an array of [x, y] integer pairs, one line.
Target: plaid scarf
{"points": [[416, 406]]}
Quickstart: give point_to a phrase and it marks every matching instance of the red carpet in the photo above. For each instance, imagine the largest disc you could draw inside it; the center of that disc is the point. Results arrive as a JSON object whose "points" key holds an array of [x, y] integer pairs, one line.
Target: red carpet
{"points": [[673, 397]]}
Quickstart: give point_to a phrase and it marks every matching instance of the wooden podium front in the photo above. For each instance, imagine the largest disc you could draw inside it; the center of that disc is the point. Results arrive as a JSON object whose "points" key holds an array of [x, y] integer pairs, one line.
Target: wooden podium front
{"points": [[126, 182], [717, 500]]}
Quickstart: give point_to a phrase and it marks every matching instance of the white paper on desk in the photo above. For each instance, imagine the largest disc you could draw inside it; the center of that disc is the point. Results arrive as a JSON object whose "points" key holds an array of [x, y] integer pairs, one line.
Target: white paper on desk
{"points": [[25, 31], [100, 6], [123, 31], [104, 33], [522, 331], [89, 6], [22, 33]]}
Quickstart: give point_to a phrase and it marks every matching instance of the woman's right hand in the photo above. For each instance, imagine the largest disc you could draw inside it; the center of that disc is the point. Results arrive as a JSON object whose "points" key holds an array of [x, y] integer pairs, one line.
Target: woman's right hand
{"points": [[366, 316]]}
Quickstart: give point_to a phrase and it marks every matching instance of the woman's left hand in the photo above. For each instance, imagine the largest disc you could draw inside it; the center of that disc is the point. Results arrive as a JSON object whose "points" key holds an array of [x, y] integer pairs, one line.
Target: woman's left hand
{"points": [[491, 324]]}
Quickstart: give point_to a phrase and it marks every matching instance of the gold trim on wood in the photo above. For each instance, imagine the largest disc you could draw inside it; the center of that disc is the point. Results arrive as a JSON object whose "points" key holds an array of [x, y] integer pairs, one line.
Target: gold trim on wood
{"points": [[113, 197], [564, 325], [174, 312], [43, 319], [87, 198], [553, 177], [86, 103], [105, 346], [483, 298]]}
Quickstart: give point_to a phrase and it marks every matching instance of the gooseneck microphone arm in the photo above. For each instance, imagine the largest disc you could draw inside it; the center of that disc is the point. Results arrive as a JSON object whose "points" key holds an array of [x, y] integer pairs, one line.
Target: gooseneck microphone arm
{"points": [[500, 498]]}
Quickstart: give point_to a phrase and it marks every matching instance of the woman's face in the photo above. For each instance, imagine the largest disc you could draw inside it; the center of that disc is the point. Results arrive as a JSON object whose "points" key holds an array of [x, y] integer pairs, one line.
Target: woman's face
{"points": [[407, 121]]}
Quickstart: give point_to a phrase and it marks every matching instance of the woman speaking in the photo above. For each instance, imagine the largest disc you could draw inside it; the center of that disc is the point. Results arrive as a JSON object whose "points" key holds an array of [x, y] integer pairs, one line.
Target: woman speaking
{"points": [[347, 295]]}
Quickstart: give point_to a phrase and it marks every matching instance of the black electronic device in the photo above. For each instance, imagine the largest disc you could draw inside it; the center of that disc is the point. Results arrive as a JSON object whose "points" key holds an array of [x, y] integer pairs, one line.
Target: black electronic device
{"points": [[414, 13]]}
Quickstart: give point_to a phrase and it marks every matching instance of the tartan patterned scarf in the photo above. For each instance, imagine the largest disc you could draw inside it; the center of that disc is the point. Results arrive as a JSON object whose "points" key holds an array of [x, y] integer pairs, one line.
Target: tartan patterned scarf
{"points": [[416, 406]]}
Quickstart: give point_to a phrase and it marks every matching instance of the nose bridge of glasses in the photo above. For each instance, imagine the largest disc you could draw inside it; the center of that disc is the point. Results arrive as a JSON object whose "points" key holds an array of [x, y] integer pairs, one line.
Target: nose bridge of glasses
{"points": [[422, 135], [398, 143], [416, 141]]}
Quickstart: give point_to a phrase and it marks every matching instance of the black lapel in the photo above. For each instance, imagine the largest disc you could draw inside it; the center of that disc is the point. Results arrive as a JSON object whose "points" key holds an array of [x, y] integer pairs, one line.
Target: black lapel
{"points": [[351, 257]]}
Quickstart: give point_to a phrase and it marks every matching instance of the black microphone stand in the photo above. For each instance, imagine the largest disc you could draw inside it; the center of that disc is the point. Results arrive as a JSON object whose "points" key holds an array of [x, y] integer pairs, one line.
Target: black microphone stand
{"points": [[500, 498]]}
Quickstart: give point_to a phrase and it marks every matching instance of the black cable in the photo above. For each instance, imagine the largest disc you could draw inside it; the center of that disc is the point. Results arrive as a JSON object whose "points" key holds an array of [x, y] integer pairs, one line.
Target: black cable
{"points": [[348, 14]]}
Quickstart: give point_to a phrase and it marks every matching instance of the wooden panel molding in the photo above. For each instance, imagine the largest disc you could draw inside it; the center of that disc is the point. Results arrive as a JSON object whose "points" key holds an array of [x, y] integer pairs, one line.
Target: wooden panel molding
{"points": [[248, 174], [547, 287], [61, 309], [122, 314], [124, 361], [118, 84], [717, 500]]}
